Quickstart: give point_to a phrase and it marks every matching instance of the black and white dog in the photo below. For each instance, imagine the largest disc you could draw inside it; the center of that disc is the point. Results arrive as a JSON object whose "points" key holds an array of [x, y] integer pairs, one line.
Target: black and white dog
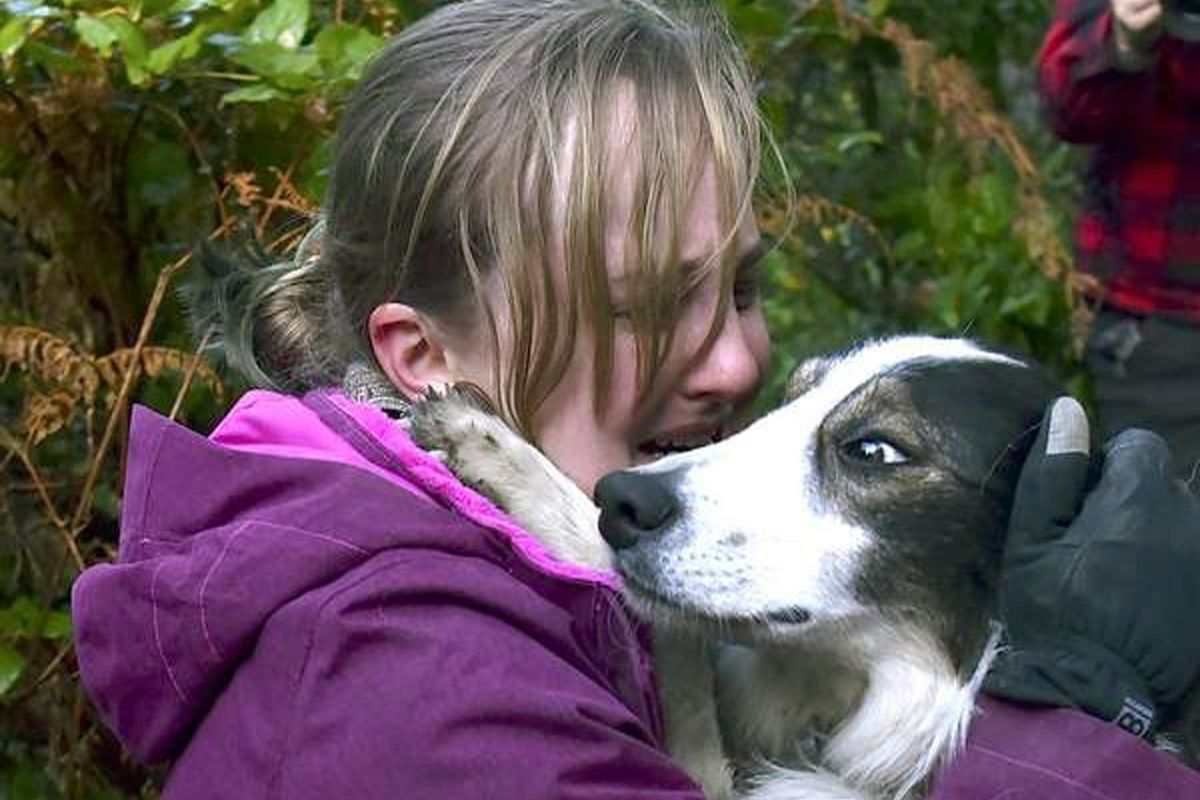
{"points": [[844, 551]]}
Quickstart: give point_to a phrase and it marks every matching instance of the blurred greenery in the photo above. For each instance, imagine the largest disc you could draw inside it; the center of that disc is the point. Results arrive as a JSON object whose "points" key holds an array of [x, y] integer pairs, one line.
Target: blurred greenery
{"points": [[929, 198]]}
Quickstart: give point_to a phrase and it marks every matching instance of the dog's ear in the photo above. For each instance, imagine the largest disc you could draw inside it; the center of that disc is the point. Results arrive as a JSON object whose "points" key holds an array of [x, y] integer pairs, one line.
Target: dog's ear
{"points": [[805, 376]]}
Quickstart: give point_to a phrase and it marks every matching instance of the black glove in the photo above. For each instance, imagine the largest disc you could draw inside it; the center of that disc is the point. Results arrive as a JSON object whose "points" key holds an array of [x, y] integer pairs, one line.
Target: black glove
{"points": [[1101, 607]]}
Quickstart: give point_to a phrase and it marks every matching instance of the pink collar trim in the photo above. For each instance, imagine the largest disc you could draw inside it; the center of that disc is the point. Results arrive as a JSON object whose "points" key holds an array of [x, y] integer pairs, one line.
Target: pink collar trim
{"points": [[277, 424]]}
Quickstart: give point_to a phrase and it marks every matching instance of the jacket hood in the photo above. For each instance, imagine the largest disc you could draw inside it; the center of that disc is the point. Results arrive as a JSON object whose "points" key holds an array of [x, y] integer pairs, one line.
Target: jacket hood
{"points": [[217, 534]]}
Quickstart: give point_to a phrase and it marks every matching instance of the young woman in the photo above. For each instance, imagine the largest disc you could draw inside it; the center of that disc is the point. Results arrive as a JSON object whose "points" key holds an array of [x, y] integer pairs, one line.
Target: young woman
{"points": [[550, 199]]}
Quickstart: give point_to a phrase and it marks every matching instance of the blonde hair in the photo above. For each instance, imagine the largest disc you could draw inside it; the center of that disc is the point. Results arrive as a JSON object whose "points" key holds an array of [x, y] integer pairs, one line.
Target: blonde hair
{"points": [[450, 165]]}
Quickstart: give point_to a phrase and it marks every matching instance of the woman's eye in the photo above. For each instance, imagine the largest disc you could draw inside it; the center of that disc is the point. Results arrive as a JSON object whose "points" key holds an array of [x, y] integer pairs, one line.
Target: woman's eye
{"points": [[621, 308], [745, 293], [875, 451]]}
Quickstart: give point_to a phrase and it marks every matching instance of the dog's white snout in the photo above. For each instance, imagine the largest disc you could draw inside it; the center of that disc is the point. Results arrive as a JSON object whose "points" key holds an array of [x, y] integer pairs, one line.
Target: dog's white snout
{"points": [[634, 505]]}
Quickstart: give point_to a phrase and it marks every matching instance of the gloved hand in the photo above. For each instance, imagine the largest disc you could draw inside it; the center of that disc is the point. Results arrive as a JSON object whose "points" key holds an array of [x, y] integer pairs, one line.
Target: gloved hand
{"points": [[1100, 602]]}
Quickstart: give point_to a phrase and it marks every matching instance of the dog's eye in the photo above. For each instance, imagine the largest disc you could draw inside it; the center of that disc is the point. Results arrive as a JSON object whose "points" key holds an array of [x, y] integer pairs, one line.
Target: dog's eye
{"points": [[875, 451]]}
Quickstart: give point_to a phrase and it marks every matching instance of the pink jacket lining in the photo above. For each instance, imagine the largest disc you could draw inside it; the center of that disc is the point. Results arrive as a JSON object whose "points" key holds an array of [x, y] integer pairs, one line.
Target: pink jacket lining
{"points": [[280, 425]]}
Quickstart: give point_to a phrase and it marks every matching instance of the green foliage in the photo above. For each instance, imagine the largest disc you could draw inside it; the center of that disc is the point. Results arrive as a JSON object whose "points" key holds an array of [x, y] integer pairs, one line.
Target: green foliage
{"points": [[129, 131], [914, 214], [24, 619], [132, 129]]}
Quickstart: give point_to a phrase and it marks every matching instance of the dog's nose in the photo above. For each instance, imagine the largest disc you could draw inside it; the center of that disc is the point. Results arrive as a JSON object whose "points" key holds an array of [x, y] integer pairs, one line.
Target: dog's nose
{"points": [[633, 505]]}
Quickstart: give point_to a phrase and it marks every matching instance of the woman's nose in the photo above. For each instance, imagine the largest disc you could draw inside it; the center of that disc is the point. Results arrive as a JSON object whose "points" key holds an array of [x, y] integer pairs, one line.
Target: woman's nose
{"points": [[732, 366]]}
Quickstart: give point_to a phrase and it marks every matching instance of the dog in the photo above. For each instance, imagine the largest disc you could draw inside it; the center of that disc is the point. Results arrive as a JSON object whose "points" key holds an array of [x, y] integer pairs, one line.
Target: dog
{"points": [[822, 584]]}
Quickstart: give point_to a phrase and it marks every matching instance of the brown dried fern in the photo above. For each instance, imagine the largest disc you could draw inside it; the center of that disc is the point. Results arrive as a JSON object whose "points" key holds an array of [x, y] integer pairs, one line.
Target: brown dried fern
{"points": [[48, 357], [289, 197], [77, 379], [57, 362], [819, 210], [47, 414], [245, 186], [83, 508], [967, 108], [153, 362], [248, 190]]}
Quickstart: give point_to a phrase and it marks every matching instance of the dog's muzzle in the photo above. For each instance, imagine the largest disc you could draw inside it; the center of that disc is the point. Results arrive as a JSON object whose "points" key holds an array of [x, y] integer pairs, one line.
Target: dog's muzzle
{"points": [[634, 506]]}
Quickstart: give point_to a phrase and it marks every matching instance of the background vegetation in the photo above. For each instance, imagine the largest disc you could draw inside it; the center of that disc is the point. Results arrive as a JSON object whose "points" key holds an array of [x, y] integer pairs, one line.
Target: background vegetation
{"points": [[930, 198]]}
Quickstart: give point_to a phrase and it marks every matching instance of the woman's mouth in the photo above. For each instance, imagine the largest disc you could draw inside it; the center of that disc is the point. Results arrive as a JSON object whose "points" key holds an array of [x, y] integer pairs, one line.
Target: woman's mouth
{"points": [[679, 442]]}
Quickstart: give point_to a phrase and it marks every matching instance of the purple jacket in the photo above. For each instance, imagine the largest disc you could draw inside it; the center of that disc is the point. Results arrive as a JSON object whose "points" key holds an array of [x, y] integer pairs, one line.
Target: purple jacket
{"points": [[306, 605]]}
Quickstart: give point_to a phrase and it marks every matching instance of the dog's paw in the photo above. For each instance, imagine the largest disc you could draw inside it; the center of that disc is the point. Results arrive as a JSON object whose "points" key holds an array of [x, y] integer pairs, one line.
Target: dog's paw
{"points": [[459, 428]]}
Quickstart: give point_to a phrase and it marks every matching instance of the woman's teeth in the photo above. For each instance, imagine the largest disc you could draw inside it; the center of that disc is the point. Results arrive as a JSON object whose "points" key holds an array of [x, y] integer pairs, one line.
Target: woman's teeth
{"points": [[668, 446]]}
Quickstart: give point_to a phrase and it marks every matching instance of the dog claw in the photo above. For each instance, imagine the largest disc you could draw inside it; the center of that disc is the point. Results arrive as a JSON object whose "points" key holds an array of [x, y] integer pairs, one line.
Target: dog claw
{"points": [[459, 427]]}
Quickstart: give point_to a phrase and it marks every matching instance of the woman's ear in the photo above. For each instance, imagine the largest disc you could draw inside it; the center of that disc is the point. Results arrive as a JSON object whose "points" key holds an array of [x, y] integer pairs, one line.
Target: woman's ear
{"points": [[408, 348]]}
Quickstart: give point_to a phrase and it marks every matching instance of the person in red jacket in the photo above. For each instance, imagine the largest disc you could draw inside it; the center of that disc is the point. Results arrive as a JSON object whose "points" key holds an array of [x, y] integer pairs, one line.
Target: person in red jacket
{"points": [[1123, 77]]}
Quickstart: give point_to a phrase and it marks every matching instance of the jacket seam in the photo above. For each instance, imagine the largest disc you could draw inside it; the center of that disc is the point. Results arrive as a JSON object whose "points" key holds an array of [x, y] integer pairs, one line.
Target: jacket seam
{"points": [[159, 648], [1045, 771], [355, 433], [318, 615], [147, 483], [220, 558]]}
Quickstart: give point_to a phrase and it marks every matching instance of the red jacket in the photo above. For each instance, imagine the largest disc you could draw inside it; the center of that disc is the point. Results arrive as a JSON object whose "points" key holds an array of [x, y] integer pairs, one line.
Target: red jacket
{"points": [[1139, 229]]}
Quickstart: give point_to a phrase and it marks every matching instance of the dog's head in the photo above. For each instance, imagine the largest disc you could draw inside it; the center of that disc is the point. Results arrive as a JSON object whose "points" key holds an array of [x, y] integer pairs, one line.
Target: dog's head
{"points": [[883, 484]]}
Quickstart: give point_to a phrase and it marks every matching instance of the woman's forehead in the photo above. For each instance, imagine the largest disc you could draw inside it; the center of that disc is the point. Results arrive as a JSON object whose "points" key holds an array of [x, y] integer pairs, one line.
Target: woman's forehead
{"points": [[701, 232], [694, 224]]}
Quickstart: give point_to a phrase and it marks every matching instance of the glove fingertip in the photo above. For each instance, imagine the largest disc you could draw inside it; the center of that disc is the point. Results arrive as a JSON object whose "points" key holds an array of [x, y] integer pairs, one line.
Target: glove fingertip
{"points": [[1051, 482], [1067, 428], [1137, 455], [1147, 442]]}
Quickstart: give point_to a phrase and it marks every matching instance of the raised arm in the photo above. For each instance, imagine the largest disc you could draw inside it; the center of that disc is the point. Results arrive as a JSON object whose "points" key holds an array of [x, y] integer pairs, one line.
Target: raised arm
{"points": [[1096, 66]]}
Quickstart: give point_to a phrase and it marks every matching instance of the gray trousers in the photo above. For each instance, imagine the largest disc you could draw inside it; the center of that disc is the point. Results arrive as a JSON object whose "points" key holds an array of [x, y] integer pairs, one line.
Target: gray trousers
{"points": [[1146, 374]]}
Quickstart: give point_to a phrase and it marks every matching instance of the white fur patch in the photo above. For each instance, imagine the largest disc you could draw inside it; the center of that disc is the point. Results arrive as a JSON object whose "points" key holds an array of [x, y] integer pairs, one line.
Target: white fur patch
{"points": [[852, 704], [755, 534]]}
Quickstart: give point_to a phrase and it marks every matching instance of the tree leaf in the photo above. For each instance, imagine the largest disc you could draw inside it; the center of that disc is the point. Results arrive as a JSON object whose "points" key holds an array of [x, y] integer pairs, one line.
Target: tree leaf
{"points": [[52, 58], [344, 50], [93, 32], [24, 618], [56, 625], [254, 93], [13, 35], [188, 6], [756, 19], [878, 8], [163, 58], [849, 141], [156, 8], [21, 618], [101, 33], [12, 664], [282, 23], [291, 69]]}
